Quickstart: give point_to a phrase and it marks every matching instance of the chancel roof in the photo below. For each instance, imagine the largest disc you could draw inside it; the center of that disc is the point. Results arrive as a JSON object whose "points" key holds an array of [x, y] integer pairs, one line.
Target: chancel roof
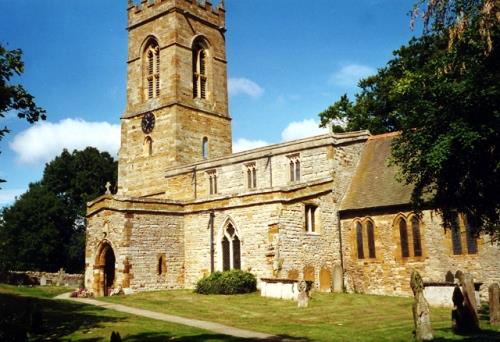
{"points": [[374, 184]]}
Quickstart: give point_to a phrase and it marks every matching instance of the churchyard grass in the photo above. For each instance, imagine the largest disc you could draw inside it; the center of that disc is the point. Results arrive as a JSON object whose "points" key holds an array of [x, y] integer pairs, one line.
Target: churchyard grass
{"points": [[329, 317], [68, 321]]}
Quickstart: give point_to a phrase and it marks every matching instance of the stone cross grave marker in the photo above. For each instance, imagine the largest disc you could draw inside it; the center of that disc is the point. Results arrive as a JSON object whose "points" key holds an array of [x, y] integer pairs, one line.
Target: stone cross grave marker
{"points": [[303, 298]]}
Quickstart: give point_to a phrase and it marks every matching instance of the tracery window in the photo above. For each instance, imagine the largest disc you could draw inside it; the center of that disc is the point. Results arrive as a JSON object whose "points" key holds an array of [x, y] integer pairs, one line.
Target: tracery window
{"points": [[410, 240], [251, 175], [365, 239], [231, 249], [212, 182], [462, 234], [152, 70]]}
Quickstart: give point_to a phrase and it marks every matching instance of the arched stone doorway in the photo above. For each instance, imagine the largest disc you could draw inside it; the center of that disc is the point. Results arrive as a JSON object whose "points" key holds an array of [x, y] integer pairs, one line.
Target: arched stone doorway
{"points": [[104, 270]]}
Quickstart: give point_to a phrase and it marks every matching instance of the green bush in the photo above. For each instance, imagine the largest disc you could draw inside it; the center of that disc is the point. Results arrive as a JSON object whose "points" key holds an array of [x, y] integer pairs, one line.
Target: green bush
{"points": [[228, 282]]}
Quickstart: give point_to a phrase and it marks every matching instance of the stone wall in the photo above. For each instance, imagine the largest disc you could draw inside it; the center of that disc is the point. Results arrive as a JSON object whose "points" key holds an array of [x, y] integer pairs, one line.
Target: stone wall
{"points": [[138, 238], [50, 278], [389, 273]]}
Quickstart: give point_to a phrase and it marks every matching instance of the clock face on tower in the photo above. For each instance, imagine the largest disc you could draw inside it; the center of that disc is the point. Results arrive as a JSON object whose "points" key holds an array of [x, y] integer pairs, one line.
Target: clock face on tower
{"points": [[148, 123]]}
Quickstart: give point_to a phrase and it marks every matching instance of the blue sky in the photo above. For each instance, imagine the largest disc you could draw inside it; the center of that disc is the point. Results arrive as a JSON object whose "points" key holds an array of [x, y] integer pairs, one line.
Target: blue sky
{"points": [[287, 61]]}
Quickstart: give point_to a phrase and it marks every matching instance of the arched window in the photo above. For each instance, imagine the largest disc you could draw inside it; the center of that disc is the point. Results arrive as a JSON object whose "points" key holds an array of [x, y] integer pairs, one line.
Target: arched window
{"points": [[151, 70], [162, 264], [403, 235], [231, 249], [148, 146], [204, 148], [359, 240], [371, 239], [200, 69], [417, 241]]}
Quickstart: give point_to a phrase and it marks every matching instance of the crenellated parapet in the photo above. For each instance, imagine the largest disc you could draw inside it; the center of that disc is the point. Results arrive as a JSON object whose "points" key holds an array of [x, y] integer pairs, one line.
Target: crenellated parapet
{"points": [[144, 10]]}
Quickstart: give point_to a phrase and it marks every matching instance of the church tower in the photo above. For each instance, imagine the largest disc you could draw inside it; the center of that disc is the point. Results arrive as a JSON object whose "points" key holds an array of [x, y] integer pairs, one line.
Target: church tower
{"points": [[177, 108]]}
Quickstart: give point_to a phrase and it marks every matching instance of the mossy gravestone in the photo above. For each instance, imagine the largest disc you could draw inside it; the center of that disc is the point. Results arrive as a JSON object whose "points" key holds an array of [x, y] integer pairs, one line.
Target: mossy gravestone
{"points": [[421, 312]]}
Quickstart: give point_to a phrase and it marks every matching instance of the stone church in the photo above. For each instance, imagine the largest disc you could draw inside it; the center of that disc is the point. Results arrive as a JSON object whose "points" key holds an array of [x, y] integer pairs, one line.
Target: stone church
{"points": [[187, 206]]}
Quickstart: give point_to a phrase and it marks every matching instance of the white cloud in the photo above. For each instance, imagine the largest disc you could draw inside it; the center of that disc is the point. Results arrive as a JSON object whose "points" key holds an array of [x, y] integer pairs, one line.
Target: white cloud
{"points": [[243, 144], [303, 129], [245, 86], [45, 140], [7, 196], [349, 75]]}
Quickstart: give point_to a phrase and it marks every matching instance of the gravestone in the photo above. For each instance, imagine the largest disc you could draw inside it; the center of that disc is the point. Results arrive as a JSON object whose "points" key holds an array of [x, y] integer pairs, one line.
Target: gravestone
{"points": [[338, 279], [449, 278], [303, 298], [494, 302], [309, 273], [293, 274], [469, 293], [325, 279], [60, 277], [421, 311], [464, 315], [43, 281]]}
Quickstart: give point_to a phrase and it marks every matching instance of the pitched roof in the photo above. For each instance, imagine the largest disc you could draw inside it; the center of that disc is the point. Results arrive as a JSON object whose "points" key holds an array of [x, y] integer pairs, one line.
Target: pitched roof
{"points": [[374, 183]]}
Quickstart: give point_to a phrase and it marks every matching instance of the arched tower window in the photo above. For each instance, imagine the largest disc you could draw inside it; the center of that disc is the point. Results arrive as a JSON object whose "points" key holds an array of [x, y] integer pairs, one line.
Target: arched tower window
{"points": [[148, 146], [231, 249], [204, 148], [151, 70], [200, 69]]}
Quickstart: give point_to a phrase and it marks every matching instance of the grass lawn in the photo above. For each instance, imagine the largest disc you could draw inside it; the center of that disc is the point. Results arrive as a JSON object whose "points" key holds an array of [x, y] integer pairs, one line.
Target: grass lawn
{"points": [[329, 317], [69, 321]]}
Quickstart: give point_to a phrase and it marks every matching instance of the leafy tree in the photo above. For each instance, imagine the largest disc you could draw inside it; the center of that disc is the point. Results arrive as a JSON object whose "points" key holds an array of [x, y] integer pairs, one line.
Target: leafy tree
{"points": [[13, 97], [45, 228], [442, 91]]}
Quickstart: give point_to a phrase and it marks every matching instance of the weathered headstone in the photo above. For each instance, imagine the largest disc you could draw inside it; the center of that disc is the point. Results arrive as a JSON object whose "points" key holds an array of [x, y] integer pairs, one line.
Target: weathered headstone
{"points": [[43, 281], [303, 298], [325, 279], [464, 315], [469, 293], [421, 311], [494, 302], [338, 279]]}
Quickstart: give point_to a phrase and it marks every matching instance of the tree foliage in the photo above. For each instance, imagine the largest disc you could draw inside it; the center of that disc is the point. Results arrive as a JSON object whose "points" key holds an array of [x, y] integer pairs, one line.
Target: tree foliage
{"points": [[13, 97], [443, 95], [45, 228]]}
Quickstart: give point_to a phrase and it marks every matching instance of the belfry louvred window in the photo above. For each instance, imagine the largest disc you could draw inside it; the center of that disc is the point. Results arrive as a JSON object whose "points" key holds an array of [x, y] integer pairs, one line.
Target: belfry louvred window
{"points": [[200, 69], [152, 70]]}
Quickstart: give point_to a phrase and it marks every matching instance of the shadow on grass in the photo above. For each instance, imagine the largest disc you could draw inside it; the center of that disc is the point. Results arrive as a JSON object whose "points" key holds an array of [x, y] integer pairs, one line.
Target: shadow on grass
{"points": [[161, 337], [484, 335], [57, 319]]}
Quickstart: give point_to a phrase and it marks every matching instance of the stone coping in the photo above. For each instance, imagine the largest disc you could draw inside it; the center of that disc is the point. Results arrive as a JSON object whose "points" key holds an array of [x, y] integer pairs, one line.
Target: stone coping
{"points": [[477, 285], [279, 280]]}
